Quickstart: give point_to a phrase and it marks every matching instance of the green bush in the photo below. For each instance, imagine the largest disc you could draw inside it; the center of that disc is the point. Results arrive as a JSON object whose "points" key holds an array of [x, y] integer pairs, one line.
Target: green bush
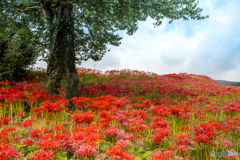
{"points": [[15, 57]]}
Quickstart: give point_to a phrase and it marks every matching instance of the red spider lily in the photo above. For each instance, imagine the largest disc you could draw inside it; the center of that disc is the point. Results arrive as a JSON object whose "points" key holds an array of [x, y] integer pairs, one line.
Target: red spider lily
{"points": [[231, 108], [168, 153], [122, 144], [184, 139], [158, 155], [27, 141], [7, 152], [105, 122], [136, 124], [37, 95], [47, 106], [62, 102], [92, 138], [19, 124], [226, 143], [81, 101], [209, 108], [186, 116], [85, 150], [82, 118], [140, 113], [116, 152], [4, 106], [78, 139], [20, 114], [120, 103], [4, 136], [65, 141], [43, 155], [200, 111], [121, 117], [36, 112], [105, 114], [129, 108], [218, 126], [187, 109], [146, 104], [4, 121], [61, 90], [46, 144], [139, 99], [232, 123], [16, 139], [236, 119], [114, 110], [141, 127], [159, 123], [182, 149], [91, 128], [161, 111], [185, 128], [88, 135], [45, 130], [59, 127], [172, 147], [176, 110], [112, 131], [35, 134], [158, 118], [205, 133], [161, 134], [27, 123]]}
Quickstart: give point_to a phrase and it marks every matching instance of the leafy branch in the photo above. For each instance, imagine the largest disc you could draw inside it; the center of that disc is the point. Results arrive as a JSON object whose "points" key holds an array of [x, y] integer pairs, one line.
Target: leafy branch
{"points": [[21, 11]]}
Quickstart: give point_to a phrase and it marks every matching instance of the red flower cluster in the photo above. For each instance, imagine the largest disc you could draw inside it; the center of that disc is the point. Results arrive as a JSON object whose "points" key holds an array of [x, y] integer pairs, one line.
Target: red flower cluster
{"points": [[82, 118], [117, 152], [7, 152], [205, 133], [43, 155], [85, 150]]}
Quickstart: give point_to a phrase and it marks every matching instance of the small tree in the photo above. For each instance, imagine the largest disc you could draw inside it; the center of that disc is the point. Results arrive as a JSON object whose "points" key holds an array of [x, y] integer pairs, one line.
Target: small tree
{"points": [[15, 58]]}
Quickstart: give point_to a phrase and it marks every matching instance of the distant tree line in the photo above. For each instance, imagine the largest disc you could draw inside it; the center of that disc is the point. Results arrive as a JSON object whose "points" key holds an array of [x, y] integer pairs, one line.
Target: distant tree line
{"points": [[236, 84]]}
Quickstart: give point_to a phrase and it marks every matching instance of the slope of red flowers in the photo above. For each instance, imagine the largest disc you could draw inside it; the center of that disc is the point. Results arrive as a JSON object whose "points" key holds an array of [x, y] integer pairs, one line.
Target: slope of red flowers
{"points": [[124, 114]]}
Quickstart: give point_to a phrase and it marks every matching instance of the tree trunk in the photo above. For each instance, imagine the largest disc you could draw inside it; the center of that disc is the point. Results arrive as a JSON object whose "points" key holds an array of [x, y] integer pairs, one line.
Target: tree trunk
{"points": [[61, 70]]}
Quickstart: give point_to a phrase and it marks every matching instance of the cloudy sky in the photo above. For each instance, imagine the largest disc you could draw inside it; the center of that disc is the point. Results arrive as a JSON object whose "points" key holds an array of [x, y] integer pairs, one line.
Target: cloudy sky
{"points": [[208, 47]]}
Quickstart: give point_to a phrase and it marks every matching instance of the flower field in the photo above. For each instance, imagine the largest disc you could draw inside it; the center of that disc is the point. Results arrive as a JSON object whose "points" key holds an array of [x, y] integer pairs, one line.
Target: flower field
{"points": [[121, 114]]}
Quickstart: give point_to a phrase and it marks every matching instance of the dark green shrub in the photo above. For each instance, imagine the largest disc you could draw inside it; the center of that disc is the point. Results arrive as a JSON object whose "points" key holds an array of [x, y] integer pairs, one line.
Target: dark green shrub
{"points": [[15, 57]]}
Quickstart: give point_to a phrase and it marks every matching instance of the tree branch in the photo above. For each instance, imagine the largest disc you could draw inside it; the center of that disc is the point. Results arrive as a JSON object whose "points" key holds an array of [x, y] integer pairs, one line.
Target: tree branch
{"points": [[21, 11], [45, 4]]}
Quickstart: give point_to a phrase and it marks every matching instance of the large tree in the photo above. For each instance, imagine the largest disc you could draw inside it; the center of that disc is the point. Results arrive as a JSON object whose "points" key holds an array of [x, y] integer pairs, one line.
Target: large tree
{"points": [[70, 31]]}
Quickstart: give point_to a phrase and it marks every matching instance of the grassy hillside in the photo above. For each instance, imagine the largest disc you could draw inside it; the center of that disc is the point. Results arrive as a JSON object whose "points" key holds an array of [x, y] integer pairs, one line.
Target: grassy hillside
{"points": [[121, 114]]}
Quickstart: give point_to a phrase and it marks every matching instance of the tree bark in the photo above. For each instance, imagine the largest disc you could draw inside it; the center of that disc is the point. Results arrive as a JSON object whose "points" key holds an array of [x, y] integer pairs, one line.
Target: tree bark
{"points": [[61, 69]]}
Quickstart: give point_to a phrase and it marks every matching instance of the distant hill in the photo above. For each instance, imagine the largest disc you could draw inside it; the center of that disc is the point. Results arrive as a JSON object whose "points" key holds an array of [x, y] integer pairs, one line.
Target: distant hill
{"points": [[227, 82]]}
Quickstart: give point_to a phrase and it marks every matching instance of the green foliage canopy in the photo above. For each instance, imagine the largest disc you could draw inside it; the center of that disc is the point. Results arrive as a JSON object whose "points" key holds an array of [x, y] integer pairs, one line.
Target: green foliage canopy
{"points": [[95, 21]]}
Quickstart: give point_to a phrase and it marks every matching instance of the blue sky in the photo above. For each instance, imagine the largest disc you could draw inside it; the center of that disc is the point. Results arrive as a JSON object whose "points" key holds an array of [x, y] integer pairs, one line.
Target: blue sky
{"points": [[208, 47]]}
